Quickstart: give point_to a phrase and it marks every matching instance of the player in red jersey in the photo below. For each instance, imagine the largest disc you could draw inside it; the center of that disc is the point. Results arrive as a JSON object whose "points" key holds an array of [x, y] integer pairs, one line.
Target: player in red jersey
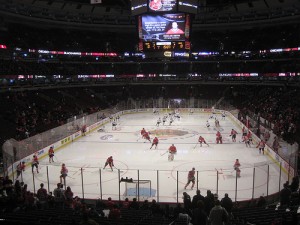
{"points": [[110, 162], [172, 152], [63, 173], [143, 131], [35, 163], [249, 135], [247, 141], [51, 154], [154, 142], [191, 178], [244, 131], [20, 168], [261, 147], [83, 130], [147, 137], [233, 135], [236, 167], [202, 140], [219, 138]]}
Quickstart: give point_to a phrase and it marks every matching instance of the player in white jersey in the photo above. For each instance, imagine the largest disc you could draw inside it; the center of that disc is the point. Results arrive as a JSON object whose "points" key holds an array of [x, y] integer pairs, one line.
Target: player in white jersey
{"points": [[164, 119], [114, 125], [158, 122], [171, 121], [207, 124], [223, 115]]}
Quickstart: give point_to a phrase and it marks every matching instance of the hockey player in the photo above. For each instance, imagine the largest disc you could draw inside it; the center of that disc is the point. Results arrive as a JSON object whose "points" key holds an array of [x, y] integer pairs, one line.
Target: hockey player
{"points": [[219, 138], [233, 135], [51, 154], [35, 163], [164, 119], [172, 152], [147, 137], [202, 140], [177, 115], [154, 142], [109, 162], [191, 111], [261, 147], [223, 115], [83, 130], [207, 124], [114, 125], [158, 122], [249, 135], [63, 173], [143, 131], [236, 167], [217, 123], [171, 121], [247, 141], [191, 178], [244, 131], [20, 168]]}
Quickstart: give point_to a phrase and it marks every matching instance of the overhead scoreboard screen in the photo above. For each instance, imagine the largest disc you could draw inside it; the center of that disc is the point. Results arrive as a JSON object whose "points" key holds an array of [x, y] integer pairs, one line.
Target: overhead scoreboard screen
{"points": [[162, 5], [164, 24], [164, 31]]}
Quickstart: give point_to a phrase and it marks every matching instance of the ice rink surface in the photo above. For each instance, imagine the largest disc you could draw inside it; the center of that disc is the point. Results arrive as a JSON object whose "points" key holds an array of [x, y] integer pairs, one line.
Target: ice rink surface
{"points": [[133, 158]]}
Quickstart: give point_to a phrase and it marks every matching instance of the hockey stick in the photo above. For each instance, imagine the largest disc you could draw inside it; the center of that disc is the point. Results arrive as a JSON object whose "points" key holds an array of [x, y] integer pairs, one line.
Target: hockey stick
{"points": [[56, 158], [164, 153], [196, 145], [71, 177]]}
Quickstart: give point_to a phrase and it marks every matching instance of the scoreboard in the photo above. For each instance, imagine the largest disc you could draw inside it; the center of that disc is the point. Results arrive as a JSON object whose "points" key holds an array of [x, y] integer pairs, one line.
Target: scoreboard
{"points": [[156, 46], [164, 25]]}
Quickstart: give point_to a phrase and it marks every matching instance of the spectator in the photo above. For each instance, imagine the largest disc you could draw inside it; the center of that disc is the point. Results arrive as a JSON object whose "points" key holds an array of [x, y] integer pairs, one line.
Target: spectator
{"points": [[68, 196], [134, 204], [58, 194], [208, 201], [226, 202], [199, 216], [285, 195], [145, 205], [110, 204], [187, 204], [218, 215], [196, 198], [261, 202], [126, 204], [114, 213], [42, 196], [295, 184]]}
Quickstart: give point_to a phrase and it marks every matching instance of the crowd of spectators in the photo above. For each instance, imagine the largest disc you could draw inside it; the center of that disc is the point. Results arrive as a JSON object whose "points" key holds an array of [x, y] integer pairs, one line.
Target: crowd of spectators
{"points": [[279, 107], [197, 210]]}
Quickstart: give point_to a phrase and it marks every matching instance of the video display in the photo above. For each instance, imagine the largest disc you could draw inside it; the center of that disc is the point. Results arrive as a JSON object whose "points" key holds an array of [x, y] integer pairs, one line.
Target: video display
{"points": [[162, 5], [166, 27]]}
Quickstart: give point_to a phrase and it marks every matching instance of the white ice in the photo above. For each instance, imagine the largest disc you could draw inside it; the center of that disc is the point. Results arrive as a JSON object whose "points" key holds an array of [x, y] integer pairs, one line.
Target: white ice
{"points": [[134, 159]]}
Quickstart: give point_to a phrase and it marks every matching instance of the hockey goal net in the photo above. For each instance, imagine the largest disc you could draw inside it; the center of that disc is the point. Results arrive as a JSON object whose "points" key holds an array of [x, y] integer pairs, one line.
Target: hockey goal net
{"points": [[141, 188]]}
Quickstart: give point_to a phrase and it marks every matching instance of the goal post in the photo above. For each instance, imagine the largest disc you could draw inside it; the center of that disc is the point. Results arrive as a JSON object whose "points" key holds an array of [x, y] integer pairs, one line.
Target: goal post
{"points": [[138, 189]]}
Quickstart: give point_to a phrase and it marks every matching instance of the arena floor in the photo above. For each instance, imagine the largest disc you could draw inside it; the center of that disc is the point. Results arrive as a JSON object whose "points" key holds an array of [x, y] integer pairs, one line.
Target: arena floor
{"points": [[134, 159]]}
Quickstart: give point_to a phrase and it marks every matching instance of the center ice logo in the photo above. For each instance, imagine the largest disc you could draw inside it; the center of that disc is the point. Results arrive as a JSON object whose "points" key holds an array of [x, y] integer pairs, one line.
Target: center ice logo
{"points": [[106, 137], [167, 133]]}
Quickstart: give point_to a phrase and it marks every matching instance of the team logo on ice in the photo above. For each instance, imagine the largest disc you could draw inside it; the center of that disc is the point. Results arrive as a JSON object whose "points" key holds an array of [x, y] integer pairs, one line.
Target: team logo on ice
{"points": [[106, 137], [167, 133]]}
